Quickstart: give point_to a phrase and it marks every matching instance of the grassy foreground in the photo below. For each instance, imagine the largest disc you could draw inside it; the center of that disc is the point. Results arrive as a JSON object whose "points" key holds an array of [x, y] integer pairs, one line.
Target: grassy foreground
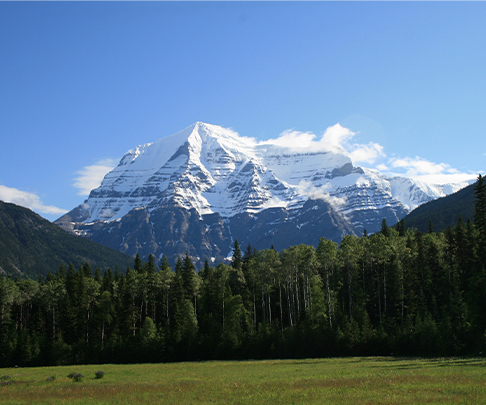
{"points": [[324, 381]]}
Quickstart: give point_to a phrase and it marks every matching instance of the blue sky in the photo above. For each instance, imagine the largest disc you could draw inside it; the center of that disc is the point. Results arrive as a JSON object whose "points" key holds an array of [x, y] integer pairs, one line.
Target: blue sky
{"points": [[83, 82]]}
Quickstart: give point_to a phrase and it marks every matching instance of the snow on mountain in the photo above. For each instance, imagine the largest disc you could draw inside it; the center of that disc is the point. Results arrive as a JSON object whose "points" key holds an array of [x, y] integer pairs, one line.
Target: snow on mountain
{"points": [[213, 169], [205, 186]]}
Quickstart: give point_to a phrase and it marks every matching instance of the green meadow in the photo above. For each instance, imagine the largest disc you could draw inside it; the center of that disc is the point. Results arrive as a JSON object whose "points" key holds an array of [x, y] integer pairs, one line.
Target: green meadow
{"points": [[321, 381]]}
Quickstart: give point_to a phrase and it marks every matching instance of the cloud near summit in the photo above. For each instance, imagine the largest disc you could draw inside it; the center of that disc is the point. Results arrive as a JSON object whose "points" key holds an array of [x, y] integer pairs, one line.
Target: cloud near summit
{"points": [[340, 139], [90, 177], [336, 139], [422, 169]]}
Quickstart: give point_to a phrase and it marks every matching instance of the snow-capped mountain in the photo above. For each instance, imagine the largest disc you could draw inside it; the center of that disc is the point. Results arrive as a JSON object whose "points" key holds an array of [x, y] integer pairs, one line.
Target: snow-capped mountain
{"points": [[205, 186]]}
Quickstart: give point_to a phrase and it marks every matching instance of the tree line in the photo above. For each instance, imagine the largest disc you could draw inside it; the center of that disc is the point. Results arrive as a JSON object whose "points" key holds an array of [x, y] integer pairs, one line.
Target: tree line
{"points": [[397, 291]]}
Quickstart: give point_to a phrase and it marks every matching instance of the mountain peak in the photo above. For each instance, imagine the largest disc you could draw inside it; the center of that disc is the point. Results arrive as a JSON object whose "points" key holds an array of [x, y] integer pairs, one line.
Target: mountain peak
{"points": [[206, 169]]}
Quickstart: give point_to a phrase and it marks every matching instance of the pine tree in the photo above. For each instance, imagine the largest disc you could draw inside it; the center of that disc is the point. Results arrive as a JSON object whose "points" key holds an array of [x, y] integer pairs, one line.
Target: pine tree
{"points": [[183, 323], [150, 265], [189, 278], [209, 319], [401, 227], [384, 228], [87, 270], [478, 278], [107, 284], [249, 296], [70, 318], [138, 265], [8, 294], [480, 216], [237, 278], [97, 275], [61, 273], [82, 305], [236, 260], [166, 276]]}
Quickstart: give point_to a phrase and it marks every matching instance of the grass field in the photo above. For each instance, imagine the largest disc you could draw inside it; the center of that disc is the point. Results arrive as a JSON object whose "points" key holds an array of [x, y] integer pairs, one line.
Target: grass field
{"points": [[320, 381]]}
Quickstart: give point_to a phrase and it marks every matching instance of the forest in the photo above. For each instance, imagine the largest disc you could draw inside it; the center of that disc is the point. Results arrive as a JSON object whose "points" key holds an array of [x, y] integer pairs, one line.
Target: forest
{"points": [[398, 291]]}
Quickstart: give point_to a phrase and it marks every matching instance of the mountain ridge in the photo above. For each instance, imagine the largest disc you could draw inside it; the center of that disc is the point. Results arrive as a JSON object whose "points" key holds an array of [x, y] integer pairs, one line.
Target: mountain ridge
{"points": [[444, 211], [31, 245], [209, 170]]}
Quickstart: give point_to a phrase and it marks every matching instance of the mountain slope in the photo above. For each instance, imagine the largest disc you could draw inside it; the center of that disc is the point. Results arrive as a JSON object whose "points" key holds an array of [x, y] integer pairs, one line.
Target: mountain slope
{"points": [[31, 245], [444, 211], [193, 191]]}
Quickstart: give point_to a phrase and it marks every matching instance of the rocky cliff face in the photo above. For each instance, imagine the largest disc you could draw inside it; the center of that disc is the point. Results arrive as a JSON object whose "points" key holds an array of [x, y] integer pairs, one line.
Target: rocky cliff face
{"points": [[205, 186]]}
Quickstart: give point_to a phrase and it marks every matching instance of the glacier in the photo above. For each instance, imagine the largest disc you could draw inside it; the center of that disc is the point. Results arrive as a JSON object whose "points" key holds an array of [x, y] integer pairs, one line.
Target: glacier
{"points": [[213, 169], [213, 175]]}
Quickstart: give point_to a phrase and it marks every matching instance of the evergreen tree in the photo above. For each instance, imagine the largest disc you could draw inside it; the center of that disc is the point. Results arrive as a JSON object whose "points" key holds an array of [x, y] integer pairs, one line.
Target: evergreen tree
{"points": [[8, 295], [70, 315], [249, 295], [480, 215], [150, 265], [82, 308], [384, 228], [191, 281], [236, 260], [210, 317], [87, 270], [404, 292], [184, 324], [478, 277], [420, 275], [61, 273], [166, 276], [138, 264], [188, 277], [108, 282], [97, 276], [237, 277], [401, 227]]}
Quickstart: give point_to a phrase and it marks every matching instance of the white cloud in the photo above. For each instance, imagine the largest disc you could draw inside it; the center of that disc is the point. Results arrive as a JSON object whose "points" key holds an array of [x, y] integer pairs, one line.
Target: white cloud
{"points": [[90, 177], [336, 139], [29, 200], [418, 166], [331, 140], [337, 136], [422, 169], [292, 139], [320, 193], [339, 139], [366, 153]]}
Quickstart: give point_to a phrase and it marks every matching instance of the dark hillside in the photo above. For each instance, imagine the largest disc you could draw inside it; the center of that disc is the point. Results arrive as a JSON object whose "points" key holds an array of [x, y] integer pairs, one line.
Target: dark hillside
{"points": [[30, 245], [443, 212]]}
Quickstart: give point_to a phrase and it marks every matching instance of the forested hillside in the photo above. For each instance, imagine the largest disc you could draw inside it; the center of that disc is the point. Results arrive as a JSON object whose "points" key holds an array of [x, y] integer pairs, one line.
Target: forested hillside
{"points": [[443, 212], [396, 291], [30, 245]]}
